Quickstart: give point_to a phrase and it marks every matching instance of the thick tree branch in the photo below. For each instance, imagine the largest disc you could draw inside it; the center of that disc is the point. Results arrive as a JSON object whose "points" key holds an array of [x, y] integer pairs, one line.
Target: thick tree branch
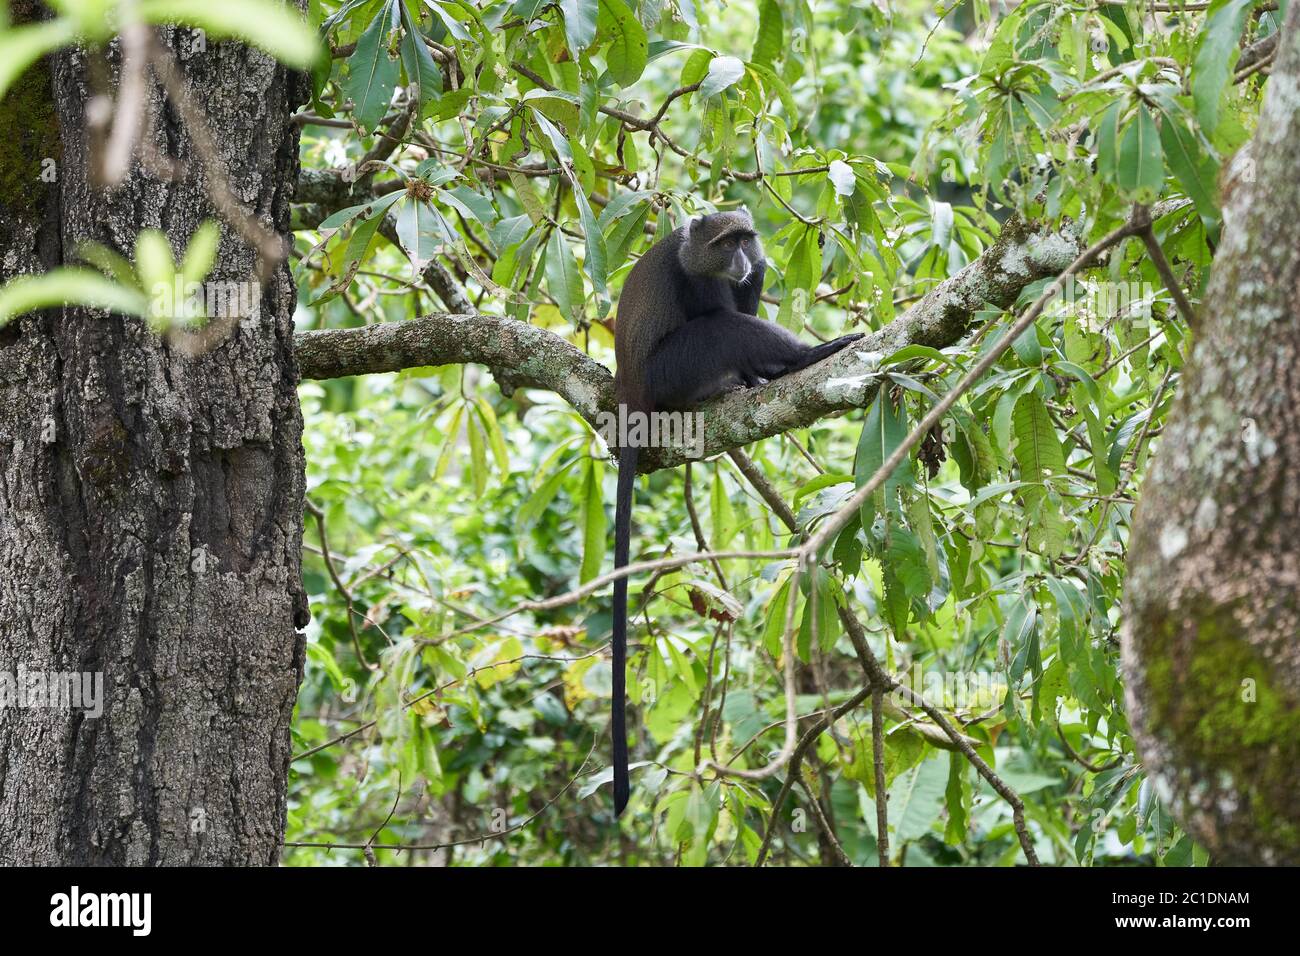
{"points": [[533, 356], [524, 354]]}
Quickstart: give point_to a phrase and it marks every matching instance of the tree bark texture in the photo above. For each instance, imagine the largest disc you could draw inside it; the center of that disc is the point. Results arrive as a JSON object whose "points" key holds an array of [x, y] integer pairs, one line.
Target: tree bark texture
{"points": [[150, 501], [1211, 629]]}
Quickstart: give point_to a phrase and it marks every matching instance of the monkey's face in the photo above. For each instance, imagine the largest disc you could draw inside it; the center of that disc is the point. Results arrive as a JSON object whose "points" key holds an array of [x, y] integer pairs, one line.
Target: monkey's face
{"points": [[724, 246], [740, 252]]}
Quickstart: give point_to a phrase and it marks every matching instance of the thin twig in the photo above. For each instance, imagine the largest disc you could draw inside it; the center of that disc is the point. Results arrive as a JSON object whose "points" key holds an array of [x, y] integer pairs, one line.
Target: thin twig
{"points": [[878, 762]]}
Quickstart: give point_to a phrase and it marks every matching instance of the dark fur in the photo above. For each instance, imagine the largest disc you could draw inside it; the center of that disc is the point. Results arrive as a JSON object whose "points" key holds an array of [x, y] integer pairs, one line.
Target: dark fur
{"points": [[686, 331]]}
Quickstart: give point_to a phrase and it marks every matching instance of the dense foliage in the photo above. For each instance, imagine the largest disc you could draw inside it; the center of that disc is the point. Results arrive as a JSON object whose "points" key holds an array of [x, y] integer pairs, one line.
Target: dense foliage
{"points": [[890, 144], [531, 151]]}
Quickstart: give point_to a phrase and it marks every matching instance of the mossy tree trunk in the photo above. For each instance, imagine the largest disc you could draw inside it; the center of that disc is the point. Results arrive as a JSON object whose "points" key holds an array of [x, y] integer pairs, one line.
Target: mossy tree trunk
{"points": [[1211, 631], [150, 501]]}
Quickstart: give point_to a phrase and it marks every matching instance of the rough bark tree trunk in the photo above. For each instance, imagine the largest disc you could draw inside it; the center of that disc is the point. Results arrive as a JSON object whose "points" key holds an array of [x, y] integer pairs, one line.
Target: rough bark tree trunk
{"points": [[150, 502], [1211, 633]]}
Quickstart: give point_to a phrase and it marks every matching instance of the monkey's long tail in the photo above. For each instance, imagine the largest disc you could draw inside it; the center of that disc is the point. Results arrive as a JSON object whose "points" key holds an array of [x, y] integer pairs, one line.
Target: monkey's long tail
{"points": [[622, 546]]}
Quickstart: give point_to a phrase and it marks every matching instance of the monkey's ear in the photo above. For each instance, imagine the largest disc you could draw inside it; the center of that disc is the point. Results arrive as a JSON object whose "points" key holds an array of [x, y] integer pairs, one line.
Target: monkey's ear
{"points": [[692, 223]]}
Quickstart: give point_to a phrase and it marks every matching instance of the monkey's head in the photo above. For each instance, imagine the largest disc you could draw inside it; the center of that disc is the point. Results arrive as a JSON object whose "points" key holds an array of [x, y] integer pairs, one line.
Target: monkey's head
{"points": [[722, 246]]}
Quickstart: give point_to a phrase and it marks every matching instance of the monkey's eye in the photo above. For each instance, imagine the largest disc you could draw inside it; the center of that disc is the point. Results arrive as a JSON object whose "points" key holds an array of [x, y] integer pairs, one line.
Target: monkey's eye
{"points": [[729, 243]]}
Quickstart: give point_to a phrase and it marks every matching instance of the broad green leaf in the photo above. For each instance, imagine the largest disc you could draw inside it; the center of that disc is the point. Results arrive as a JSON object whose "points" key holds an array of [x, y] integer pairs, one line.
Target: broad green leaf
{"points": [[957, 801], [628, 48], [1020, 634], [453, 25], [1141, 160], [595, 242], [419, 231], [1083, 401], [201, 253], [418, 61], [1215, 57], [724, 71], [492, 429], [1038, 449], [449, 442], [477, 454], [724, 515], [593, 522], [768, 45], [776, 613], [22, 46], [360, 240], [372, 73], [67, 287], [1194, 165], [1108, 142], [882, 432], [540, 499], [1048, 528], [563, 280], [153, 261], [526, 193], [579, 23], [916, 799], [842, 178]]}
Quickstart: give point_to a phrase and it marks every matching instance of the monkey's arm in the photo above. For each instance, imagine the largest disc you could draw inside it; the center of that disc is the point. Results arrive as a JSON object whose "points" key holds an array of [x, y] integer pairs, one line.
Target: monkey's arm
{"points": [[747, 295], [723, 350]]}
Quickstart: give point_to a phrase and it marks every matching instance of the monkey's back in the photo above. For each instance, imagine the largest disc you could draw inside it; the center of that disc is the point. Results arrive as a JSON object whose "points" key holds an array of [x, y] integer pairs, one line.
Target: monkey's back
{"points": [[658, 296]]}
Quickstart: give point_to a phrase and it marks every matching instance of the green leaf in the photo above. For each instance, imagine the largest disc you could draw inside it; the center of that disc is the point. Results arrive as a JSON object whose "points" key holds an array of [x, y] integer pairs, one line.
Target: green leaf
{"points": [[1038, 449], [1194, 165], [527, 195], [916, 799], [1020, 634], [418, 61], [771, 33], [882, 432], [539, 500], [1096, 439], [492, 429], [1141, 160], [842, 178], [201, 253], [153, 261], [579, 24], [696, 67], [1027, 348], [449, 442], [67, 287], [372, 73], [724, 71], [1048, 528], [454, 26], [777, 610], [360, 240], [563, 280], [1108, 142], [829, 597], [22, 46], [1215, 57], [275, 27], [420, 231], [596, 268], [477, 455], [724, 515], [628, 48], [593, 522], [957, 800]]}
